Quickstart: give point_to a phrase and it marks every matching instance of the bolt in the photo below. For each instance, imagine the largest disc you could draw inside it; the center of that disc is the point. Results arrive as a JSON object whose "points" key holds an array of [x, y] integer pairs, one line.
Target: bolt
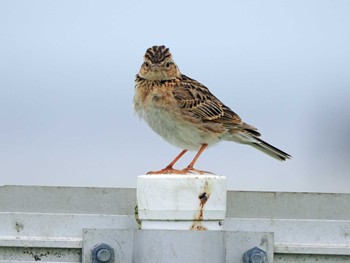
{"points": [[255, 255], [102, 253]]}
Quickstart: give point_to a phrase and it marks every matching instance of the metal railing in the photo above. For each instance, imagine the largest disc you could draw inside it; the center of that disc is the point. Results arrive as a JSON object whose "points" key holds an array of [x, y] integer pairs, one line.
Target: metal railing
{"points": [[66, 224]]}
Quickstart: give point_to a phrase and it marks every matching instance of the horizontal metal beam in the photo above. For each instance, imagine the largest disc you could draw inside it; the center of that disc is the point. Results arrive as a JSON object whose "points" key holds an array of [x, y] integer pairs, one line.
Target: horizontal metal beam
{"points": [[328, 237], [116, 201], [305, 226]]}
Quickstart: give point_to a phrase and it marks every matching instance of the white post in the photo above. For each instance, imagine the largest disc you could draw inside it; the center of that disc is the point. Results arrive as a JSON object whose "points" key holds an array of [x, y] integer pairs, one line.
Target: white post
{"points": [[182, 202]]}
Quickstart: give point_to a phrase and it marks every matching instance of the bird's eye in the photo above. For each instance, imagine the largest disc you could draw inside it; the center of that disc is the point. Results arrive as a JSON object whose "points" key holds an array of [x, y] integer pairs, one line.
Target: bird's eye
{"points": [[146, 64], [168, 64]]}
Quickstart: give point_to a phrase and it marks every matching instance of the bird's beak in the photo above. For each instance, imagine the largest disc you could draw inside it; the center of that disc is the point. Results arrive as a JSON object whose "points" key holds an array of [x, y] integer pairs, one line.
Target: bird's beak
{"points": [[155, 67]]}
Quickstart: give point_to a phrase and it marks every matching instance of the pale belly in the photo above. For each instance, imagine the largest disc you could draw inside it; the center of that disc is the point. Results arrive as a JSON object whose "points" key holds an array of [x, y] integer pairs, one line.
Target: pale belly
{"points": [[179, 133]]}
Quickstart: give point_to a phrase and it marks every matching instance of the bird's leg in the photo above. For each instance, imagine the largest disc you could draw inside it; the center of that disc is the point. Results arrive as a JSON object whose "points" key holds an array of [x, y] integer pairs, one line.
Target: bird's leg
{"points": [[170, 165], [169, 168], [190, 168]]}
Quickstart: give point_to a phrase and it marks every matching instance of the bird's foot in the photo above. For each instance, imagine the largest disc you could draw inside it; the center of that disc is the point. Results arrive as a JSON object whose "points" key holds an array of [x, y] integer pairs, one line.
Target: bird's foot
{"points": [[192, 170], [171, 170], [166, 170]]}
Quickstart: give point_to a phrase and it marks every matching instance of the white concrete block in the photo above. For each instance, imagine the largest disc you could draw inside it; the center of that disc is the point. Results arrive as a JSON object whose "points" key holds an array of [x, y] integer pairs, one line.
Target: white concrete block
{"points": [[189, 201]]}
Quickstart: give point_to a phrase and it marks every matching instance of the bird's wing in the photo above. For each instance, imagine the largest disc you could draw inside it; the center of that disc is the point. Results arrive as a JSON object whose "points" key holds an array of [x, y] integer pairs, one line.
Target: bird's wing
{"points": [[195, 98]]}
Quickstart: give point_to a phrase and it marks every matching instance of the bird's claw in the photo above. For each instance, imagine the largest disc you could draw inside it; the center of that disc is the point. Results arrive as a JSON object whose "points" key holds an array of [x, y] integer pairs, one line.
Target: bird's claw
{"points": [[187, 170]]}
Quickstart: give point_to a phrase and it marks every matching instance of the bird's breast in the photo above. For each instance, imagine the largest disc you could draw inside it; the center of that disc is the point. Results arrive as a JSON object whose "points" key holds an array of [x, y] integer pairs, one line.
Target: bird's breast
{"points": [[158, 107]]}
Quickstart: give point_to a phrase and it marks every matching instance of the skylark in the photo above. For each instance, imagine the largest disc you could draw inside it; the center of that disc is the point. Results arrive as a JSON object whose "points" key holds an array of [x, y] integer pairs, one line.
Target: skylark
{"points": [[186, 114]]}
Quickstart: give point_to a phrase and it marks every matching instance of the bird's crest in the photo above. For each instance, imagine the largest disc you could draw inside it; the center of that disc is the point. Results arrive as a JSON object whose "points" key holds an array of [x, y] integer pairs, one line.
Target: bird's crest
{"points": [[158, 54]]}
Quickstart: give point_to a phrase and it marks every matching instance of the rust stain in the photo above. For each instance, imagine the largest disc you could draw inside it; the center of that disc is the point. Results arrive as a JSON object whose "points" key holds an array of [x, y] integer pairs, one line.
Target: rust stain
{"points": [[203, 198], [197, 226]]}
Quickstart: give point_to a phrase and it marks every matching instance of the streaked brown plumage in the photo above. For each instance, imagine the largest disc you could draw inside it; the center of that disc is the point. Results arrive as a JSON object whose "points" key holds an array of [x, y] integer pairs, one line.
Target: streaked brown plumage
{"points": [[185, 113]]}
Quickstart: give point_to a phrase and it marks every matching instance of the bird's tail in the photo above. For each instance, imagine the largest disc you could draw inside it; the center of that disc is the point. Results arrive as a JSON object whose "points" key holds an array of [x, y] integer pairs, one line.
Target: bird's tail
{"points": [[250, 135], [269, 149]]}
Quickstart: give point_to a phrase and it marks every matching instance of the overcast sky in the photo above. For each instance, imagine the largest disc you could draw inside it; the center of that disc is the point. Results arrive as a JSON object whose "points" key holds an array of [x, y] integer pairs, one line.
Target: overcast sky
{"points": [[67, 71]]}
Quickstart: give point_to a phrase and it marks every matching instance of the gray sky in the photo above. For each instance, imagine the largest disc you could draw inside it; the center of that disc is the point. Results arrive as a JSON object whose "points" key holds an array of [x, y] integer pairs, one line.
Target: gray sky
{"points": [[67, 71]]}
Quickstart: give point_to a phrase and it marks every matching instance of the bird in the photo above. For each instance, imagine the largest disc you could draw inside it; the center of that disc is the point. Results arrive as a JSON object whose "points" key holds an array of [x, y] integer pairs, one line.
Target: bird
{"points": [[186, 114]]}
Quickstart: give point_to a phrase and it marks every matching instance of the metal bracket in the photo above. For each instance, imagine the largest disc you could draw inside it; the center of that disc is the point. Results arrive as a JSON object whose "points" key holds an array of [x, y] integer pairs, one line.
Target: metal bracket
{"points": [[148, 246], [113, 245]]}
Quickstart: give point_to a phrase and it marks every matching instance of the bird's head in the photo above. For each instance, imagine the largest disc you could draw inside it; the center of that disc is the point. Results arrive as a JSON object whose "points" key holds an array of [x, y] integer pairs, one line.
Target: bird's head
{"points": [[158, 64]]}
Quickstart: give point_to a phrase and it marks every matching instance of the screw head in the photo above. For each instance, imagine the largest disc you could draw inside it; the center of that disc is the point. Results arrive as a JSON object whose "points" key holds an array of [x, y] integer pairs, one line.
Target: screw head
{"points": [[255, 255]]}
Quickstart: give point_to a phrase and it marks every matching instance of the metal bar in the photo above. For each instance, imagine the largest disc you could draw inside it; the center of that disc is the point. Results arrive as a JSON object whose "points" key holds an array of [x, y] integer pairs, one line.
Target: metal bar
{"points": [[299, 236]]}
